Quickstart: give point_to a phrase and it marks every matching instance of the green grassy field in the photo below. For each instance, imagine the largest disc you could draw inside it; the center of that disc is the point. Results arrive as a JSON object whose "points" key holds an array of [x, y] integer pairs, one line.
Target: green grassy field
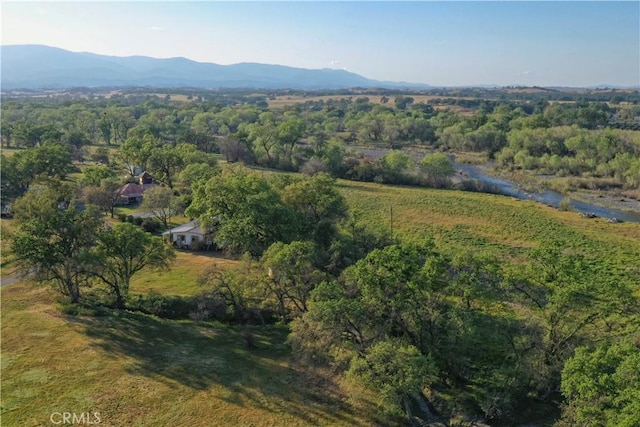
{"points": [[182, 278], [500, 225], [139, 370]]}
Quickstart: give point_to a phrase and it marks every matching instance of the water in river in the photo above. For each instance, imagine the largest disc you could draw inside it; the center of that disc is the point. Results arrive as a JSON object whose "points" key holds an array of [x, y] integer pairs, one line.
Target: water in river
{"points": [[548, 197], [508, 188]]}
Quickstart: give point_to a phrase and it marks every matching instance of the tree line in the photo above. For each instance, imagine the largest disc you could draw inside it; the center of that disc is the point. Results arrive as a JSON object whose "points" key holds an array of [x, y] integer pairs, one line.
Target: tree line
{"points": [[566, 139]]}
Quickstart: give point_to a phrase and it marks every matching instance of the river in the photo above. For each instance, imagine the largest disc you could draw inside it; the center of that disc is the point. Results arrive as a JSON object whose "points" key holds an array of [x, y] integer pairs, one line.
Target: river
{"points": [[548, 197], [508, 188]]}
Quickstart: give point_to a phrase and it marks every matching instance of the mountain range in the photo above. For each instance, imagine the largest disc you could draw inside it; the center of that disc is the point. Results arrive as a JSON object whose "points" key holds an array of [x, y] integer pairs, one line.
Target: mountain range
{"points": [[45, 67]]}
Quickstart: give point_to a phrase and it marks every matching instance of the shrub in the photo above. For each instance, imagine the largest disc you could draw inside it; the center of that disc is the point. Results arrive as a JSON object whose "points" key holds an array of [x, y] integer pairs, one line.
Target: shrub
{"points": [[165, 306], [314, 166], [122, 217], [565, 205], [130, 218], [87, 308], [151, 225], [198, 245], [70, 309], [209, 306], [476, 186], [249, 338], [137, 220]]}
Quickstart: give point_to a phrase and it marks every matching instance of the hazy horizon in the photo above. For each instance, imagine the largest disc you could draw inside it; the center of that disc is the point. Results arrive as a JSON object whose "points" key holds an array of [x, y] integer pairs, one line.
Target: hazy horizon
{"points": [[576, 44]]}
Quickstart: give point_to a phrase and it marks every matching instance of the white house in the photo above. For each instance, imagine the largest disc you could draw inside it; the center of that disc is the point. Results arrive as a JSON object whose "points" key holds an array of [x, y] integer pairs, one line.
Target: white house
{"points": [[189, 236]]}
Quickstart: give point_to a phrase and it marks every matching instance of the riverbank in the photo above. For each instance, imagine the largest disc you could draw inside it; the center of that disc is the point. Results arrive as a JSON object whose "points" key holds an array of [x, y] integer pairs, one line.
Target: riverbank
{"points": [[535, 183], [531, 187], [607, 201], [525, 185]]}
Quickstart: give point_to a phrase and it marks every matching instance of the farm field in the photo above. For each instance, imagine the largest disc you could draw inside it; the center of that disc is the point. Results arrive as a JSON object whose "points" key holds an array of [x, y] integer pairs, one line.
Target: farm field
{"points": [[286, 100], [140, 370]]}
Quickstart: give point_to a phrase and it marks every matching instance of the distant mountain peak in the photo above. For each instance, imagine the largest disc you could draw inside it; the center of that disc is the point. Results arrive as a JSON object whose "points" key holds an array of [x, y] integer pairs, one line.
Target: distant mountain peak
{"points": [[46, 67]]}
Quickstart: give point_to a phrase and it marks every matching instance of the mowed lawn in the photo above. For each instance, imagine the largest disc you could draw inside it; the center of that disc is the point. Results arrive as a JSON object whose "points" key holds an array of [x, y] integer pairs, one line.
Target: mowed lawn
{"points": [[139, 370], [182, 277]]}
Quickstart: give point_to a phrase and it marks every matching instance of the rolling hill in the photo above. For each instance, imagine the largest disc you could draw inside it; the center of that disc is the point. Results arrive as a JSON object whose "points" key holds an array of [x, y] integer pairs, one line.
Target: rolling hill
{"points": [[44, 67]]}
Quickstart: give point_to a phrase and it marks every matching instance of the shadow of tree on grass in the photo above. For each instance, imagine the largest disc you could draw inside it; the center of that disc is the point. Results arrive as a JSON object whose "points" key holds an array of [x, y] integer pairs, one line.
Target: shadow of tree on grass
{"points": [[181, 353]]}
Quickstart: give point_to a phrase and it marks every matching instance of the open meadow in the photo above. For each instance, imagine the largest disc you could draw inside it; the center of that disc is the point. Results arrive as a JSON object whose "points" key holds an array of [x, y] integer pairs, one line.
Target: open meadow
{"points": [[500, 225]]}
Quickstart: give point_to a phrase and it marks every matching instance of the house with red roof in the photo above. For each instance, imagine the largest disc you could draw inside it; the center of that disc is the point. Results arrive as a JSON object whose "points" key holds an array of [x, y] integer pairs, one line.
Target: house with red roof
{"points": [[132, 192]]}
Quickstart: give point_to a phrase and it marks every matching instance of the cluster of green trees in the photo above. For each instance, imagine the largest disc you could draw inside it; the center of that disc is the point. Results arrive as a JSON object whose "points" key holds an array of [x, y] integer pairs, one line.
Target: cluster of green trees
{"points": [[20, 170], [408, 320], [249, 212], [570, 151], [73, 249], [175, 167], [403, 318], [460, 322]]}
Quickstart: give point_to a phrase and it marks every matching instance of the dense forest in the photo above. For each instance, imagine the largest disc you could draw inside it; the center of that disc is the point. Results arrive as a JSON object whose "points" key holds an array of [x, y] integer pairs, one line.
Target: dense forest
{"points": [[433, 330]]}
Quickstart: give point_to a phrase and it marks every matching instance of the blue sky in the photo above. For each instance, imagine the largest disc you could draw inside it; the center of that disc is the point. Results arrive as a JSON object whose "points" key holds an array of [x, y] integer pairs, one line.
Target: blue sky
{"points": [[439, 43]]}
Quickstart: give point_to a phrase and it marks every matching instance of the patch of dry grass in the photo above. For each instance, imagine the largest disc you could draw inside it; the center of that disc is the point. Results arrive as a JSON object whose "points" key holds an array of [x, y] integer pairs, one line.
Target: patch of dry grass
{"points": [[138, 370], [288, 100]]}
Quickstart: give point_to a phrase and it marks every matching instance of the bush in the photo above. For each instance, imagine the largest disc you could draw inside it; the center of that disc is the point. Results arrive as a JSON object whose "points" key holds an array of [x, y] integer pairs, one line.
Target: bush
{"points": [[249, 338], [93, 309], [565, 205], [101, 155], [130, 218], [122, 217], [70, 309], [137, 220], [198, 245], [209, 306], [476, 186], [314, 166], [151, 225], [165, 306]]}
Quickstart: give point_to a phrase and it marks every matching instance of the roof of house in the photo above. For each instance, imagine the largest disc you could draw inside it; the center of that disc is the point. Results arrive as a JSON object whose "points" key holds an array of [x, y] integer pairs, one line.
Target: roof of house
{"points": [[134, 190], [192, 226]]}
